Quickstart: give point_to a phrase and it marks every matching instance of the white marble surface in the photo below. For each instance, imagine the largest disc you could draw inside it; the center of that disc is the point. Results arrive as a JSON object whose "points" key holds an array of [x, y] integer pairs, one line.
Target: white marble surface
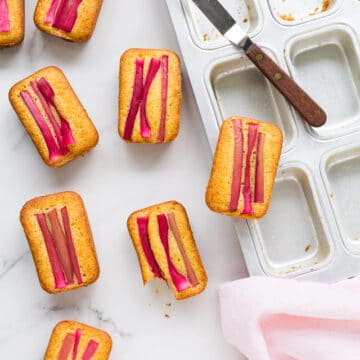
{"points": [[114, 179]]}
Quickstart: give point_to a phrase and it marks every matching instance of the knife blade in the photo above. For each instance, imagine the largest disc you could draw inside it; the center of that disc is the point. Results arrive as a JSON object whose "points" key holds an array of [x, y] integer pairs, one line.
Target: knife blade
{"points": [[310, 111]]}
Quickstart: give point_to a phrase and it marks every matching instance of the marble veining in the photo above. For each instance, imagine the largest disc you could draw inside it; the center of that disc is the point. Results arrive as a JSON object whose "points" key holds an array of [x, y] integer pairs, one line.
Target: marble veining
{"points": [[6, 265]]}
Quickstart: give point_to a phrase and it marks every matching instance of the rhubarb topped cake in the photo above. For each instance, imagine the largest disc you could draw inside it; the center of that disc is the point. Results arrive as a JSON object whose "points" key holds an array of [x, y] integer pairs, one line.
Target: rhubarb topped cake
{"points": [[150, 96], [166, 249], [244, 168], [11, 22], [60, 240], [51, 113], [76, 341], [72, 20]]}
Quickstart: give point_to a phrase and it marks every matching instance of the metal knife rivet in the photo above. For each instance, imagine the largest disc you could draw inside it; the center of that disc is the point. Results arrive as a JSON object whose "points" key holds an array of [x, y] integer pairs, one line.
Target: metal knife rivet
{"points": [[259, 57], [278, 76]]}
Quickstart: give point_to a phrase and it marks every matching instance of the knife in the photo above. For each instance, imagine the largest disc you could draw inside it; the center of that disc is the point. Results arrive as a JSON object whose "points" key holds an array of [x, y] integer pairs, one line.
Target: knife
{"points": [[311, 112]]}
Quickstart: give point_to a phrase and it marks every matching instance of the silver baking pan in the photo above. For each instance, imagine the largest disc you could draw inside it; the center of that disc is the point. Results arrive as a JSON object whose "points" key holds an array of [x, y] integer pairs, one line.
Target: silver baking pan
{"points": [[312, 230]]}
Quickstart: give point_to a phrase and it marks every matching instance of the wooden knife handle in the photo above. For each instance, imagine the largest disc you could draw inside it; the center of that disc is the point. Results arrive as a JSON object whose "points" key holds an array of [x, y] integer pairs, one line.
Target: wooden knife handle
{"points": [[299, 99]]}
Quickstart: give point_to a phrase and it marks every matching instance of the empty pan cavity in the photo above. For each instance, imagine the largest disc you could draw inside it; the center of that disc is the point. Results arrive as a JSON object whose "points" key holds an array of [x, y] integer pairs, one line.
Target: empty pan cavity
{"points": [[237, 87], [246, 12], [294, 12], [326, 62], [292, 238], [341, 173]]}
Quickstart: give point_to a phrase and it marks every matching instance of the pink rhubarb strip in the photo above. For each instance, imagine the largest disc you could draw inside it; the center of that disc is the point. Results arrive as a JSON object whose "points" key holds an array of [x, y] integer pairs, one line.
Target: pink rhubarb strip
{"points": [[164, 97], [152, 71], [237, 164], [70, 345], [4, 16], [49, 95], [70, 245], [58, 146], [260, 170], [50, 16], [69, 18], [252, 134], [142, 223], [76, 344], [51, 118], [140, 96], [59, 278], [90, 350], [136, 99], [54, 151], [181, 282], [63, 14], [61, 247], [175, 230], [66, 347]]}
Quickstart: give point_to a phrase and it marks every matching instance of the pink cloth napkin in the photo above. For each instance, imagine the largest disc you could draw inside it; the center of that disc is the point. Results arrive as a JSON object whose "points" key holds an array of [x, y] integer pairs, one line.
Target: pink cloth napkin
{"points": [[280, 319]]}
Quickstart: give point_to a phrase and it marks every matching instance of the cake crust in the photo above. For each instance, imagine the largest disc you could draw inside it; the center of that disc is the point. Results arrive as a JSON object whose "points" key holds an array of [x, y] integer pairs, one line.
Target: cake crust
{"points": [[87, 333], [17, 28], [187, 240], [174, 96], [218, 191], [83, 129], [88, 13], [81, 234]]}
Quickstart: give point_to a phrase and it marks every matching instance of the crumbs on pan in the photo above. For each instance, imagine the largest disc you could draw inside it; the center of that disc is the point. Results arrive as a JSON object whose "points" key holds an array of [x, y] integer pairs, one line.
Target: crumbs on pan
{"points": [[211, 35], [308, 248], [286, 17], [167, 316], [314, 12], [168, 305], [325, 5]]}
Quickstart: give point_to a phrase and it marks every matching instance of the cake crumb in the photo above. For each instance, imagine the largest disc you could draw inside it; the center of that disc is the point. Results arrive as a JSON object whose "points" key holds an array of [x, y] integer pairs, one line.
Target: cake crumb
{"points": [[168, 304], [325, 5], [287, 17], [206, 37], [314, 12], [245, 20], [307, 248], [167, 316]]}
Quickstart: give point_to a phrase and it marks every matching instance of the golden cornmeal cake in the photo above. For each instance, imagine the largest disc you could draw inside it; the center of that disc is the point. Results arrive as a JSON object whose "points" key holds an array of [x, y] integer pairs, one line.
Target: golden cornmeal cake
{"points": [[149, 96], [72, 20], [53, 116], [244, 168], [11, 22], [166, 248], [59, 235], [74, 340]]}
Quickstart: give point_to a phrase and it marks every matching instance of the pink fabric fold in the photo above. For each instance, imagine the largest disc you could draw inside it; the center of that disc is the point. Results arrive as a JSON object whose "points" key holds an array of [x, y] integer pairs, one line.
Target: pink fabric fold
{"points": [[281, 319]]}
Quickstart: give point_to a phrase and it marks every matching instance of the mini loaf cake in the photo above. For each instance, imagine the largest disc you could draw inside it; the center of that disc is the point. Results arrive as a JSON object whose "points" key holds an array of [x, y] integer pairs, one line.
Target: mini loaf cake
{"points": [[72, 20], [60, 240], [76, 341], [11, 22], [244, 168], [150, 96], [53, 116], [166, 248]]}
